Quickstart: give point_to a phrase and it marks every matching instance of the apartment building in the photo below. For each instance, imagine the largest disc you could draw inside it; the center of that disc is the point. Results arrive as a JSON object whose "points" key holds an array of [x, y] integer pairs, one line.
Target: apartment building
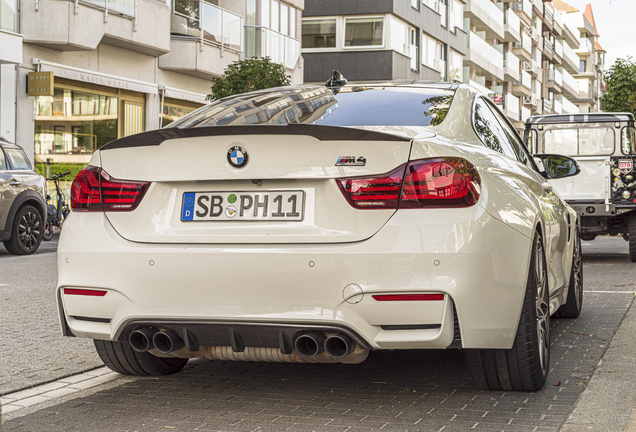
{"points": [[522, 54], [591, 57], [125, 66], [378, 40]]}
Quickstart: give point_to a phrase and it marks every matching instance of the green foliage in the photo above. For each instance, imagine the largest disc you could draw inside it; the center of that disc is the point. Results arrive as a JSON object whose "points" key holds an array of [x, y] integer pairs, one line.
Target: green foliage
{"points": [[248, 75], [621, 87], [57, 168]]}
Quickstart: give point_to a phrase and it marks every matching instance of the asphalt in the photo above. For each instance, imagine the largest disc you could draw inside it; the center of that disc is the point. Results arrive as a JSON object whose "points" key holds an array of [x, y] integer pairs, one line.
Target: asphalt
{"points": [[591, 385]]}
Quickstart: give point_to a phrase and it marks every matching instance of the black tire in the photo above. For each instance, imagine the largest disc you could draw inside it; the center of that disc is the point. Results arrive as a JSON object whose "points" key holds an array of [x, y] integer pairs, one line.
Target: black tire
{"points": [[26, 232], [632, 236], [574, 302], [120, 357], [48, 232], [525, 366]]}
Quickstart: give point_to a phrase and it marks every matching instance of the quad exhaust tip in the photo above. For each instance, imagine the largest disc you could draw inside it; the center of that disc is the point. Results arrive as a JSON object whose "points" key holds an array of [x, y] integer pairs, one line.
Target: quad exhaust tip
{"points": [[167, 341], [339, 346], [310, 344], [141, 340]]}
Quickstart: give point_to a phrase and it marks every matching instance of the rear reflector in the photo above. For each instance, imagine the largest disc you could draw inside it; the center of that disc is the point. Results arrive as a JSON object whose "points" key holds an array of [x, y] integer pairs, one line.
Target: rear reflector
{"points": [[95, 190], [409, 297], [85, 292], [432, 183]]}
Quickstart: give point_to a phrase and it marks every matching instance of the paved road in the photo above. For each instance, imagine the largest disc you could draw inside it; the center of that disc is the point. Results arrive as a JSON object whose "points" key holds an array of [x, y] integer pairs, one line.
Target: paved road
{"points": [[391, 391], [32, 349]]}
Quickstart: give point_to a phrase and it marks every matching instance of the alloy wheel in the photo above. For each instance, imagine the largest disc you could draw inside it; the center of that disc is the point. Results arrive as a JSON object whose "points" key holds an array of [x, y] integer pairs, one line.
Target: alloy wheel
{"points": [[578, 273], [29, 230], [542, 308]]}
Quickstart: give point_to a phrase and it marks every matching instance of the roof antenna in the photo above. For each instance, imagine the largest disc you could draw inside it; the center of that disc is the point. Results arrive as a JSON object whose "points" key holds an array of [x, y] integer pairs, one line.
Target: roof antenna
{"points": [[336, 82]]}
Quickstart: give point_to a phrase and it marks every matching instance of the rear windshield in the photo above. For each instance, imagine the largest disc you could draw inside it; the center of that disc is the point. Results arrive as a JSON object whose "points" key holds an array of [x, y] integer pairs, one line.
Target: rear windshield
{"points": [[355, 106], [579, 142]]}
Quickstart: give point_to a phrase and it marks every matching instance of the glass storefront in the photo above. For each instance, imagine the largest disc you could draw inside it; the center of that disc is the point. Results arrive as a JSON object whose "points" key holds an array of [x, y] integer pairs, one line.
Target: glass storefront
{"points": [[73, 122]]}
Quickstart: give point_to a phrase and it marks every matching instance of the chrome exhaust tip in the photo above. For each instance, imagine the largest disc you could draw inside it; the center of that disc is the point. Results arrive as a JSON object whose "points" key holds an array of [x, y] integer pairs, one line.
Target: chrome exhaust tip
{"points": [[310, 344], [167, 341], [339, 346], [141, 340]]}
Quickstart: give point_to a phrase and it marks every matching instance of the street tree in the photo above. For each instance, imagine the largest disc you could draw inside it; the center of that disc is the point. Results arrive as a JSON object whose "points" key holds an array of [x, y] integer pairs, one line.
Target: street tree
{"points": [[621, 87], [248, 75]]}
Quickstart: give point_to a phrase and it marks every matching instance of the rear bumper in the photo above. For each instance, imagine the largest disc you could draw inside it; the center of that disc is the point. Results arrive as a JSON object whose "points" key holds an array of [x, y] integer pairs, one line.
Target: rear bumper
{"points": [[477, 262]]}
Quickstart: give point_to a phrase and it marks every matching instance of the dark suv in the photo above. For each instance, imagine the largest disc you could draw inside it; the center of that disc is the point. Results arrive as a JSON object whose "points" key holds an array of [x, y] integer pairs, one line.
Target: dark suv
{"points": [[22, 204]]}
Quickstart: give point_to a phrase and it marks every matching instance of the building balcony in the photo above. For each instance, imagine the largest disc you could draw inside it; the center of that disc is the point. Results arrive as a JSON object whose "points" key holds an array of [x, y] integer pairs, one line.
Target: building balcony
{"points": [[523, 50], [569, 107], [523, 9], [555, 80], [570, 85], [486, 17], [570, 31], [11, 44], [141, 26], [537, 8], [558, 107], [523, 88], [511, 67], [262, 42], [570, 59], [531, 67], [558, 51], [194, 57], [547, 106], [512, 27], [525, 114], [484, 57], [548, 17], [531, 102], [511, 106], [548, 48]]}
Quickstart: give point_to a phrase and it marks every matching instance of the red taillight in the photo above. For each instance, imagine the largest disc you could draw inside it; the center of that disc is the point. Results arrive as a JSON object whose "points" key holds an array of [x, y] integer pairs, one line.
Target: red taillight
{"points": [[380, 191], [436, 183], [409, 297], [84, 292], [95, 190], [440, 182]]}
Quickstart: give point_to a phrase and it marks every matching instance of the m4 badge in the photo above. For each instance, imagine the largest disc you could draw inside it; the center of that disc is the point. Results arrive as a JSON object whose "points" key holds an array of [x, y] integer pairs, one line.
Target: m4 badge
{"points": [[351, 161], [625, 165]]}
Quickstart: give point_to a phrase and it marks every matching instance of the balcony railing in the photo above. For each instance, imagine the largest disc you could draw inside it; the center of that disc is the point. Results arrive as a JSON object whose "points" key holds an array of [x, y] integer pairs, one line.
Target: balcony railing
{"points": [[525, 113], [570, 25], [555, 76], [570, 55], [263, 42], [570, 82], [511, 61], [538, 4], [569, 107], [531, 67], [511, 103], [487, 51], [524, 6], [513, 20], [547, 105], [547, 46], [207, 22], [526, 79], [558, 48], [558, 108], [489, 8], [126, 7], [548, 13], [558, 18], [530, 100]]}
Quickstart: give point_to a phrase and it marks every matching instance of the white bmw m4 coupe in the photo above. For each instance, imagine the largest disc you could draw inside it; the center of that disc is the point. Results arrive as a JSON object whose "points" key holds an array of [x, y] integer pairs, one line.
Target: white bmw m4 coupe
{"points": [[318, 224]]}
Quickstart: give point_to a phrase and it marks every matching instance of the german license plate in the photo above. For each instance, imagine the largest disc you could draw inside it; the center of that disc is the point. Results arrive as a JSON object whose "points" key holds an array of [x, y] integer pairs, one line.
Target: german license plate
{"points": [[252, 206]]}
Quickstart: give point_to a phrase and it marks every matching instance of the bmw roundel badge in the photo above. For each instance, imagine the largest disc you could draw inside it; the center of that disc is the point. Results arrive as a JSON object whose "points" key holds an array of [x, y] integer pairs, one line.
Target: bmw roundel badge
{"points": [[237, 156]]}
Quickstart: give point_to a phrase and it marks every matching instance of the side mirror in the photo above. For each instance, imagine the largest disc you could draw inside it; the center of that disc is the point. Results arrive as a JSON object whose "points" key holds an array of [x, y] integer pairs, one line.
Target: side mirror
{"points": [[557, 166]]}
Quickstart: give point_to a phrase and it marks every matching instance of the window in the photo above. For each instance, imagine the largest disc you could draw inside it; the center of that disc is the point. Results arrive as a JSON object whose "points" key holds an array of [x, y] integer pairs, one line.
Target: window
{"points": [[367, 106], [433, 53], [171, 113], [579, 142], [319, 33], [415, 4], [200, 19], [284, 19], [292, 23], [490, 131], [628, 140], [511, 136], [8, 14], [18, 159], [274, 16], [403, 40], [265, 7], [363, 32], [531, 140], [3, 163], [582, 66]]}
